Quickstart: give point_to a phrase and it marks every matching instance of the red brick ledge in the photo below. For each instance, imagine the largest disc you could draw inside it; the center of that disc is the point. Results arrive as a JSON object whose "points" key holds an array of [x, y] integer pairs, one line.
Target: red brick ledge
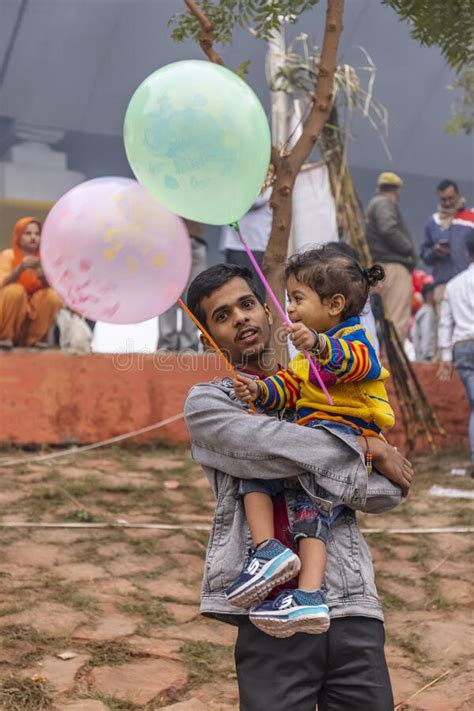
{"points": [[56, 398]]}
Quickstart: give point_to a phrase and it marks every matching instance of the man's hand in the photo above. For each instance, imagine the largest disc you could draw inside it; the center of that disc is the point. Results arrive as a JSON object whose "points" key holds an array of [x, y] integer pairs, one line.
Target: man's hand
{"points": [[389, 462], [445, 371], [246, 389], [301, 336], [442, 249]]}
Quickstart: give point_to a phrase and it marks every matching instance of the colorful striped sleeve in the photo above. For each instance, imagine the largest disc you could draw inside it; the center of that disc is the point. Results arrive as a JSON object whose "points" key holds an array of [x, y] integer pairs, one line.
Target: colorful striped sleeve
{"points": [[350, 357], [279, 391]]}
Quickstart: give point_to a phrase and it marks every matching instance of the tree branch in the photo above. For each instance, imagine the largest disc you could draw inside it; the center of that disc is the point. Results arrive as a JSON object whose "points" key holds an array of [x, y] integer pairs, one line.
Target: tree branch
{"points": [[324, 89], [206, 39], [290, 164], [275, 158]]}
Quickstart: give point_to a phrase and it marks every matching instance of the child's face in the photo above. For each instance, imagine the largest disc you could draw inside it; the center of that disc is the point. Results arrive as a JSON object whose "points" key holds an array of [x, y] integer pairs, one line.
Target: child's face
{"points": [[306, 306]]}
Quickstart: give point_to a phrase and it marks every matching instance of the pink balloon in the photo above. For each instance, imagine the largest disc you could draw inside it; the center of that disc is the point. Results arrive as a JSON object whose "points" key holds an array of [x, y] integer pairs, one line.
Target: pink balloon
{"points": [[113, 253]]}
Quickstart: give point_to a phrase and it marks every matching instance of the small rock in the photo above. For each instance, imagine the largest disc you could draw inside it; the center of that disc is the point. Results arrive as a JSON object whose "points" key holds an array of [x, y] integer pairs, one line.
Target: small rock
{"points": [[171, 484], [112, 627], [140, 681]]}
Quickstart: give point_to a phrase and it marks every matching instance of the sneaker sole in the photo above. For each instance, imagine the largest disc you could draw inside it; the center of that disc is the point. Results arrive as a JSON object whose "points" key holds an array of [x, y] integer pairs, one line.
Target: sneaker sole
{"points": [[316, 623], [259, 591]]}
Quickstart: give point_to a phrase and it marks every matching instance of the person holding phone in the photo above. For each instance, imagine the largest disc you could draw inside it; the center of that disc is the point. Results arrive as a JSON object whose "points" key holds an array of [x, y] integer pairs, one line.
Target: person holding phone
{"points": [[444, 245]]}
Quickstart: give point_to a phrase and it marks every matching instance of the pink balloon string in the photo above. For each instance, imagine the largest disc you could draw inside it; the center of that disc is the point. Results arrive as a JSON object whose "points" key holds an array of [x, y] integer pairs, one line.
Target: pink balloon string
{"points": [[276, 303]]}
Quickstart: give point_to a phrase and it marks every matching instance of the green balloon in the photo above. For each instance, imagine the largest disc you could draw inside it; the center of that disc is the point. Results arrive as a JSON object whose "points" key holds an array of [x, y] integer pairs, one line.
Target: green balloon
{"points": [[196, 136]]}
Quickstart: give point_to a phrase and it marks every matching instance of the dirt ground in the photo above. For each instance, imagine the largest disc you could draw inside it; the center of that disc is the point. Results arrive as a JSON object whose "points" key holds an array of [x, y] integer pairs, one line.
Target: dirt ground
{"points": [[108, 619]]}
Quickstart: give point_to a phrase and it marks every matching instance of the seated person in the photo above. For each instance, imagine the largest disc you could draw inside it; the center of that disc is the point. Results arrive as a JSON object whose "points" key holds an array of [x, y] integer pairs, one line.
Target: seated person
{"points": [[28, 306]]}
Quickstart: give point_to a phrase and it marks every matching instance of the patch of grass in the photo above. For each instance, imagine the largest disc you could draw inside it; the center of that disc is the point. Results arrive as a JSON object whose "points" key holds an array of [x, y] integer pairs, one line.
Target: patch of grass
{"points": [[123, 488], [206, 660], [110, 653], [112, 702], [150, 610], [419, 555], [12, 635], [145, 546], [391, 600], [11, 609], [25, 694], [82, 486], [463, 517], [199, 498], [411, 645], [385, 544], [29, 643], [436, 599], [69, 594], [82, 516]]}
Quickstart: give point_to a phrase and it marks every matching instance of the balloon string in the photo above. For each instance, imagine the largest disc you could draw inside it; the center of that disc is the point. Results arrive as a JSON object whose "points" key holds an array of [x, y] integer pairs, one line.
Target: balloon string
{"points": [[276, 303], [208, 336]]}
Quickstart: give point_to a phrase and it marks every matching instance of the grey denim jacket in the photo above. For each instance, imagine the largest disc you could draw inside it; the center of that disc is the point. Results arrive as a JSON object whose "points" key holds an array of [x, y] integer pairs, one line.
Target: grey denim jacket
{"points": [[229, 442]]}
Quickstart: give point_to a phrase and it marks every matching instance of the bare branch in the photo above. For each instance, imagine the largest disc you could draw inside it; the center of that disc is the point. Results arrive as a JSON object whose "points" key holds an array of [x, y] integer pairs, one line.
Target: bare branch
{"points": [[324, 90], [206, 39]]}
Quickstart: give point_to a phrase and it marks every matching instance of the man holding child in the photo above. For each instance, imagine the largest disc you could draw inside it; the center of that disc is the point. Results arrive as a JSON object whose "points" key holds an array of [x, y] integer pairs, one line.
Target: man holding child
{"points": [[340, 669]]}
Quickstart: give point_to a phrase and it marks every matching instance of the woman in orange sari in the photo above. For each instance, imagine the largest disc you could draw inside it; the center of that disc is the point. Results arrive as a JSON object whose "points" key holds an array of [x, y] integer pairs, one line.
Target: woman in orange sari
{"points": [[28, 306]]}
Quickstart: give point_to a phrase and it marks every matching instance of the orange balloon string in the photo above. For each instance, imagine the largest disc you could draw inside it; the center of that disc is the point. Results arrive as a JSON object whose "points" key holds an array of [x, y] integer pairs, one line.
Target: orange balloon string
{"points": [[208, 336]]}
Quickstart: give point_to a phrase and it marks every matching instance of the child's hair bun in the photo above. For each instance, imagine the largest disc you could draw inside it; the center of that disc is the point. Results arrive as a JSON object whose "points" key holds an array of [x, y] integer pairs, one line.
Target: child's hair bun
{"points": [[374, 274]]}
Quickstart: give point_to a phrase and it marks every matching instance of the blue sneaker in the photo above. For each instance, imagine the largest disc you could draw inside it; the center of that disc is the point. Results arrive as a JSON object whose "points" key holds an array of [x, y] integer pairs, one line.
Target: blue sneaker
{"points": [[271, 565], [292, 611]]}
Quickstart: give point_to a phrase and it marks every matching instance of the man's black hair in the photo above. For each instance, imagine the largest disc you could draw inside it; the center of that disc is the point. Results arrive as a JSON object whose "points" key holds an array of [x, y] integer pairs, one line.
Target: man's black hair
{"points": [[445, 184], [213, 278], [426, 289]]}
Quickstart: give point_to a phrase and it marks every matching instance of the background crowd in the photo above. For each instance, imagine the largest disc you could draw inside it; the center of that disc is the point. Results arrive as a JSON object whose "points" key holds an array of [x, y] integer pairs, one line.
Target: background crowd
{"points": [[432, 311]]}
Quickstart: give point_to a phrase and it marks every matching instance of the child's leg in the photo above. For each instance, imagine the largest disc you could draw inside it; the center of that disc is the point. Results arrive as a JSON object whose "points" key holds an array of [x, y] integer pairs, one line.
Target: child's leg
{"points": [[304, 609], [270, 563], [259, 512], [313, 563]]}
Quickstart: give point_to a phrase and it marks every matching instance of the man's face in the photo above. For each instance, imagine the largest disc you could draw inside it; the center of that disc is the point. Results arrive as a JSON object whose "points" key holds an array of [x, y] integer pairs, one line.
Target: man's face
{"points": [[448, 198], [238, 322]]}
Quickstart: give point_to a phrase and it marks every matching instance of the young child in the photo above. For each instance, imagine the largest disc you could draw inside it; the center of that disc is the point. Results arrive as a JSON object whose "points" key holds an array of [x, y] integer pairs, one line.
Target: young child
{"points": [[326, 290], [423, 332]]}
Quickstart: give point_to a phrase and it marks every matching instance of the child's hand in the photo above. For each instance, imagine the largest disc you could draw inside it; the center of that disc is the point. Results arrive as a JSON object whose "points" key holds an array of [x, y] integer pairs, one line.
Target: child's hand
{"points": [[301, 336], [246, 389]]}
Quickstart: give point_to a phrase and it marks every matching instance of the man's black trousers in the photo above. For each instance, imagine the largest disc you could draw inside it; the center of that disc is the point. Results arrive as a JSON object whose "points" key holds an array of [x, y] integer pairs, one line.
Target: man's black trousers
{"points": [[341, 670]]}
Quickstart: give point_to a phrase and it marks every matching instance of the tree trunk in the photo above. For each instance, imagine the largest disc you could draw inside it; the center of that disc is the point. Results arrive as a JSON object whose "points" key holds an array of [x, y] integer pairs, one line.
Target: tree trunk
{"points": [[350, 217], [279, 100], [288, 167]]}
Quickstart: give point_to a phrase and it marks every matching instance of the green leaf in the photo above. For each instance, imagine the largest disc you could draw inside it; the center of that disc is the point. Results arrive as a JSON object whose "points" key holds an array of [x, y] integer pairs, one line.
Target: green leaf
{"points": [[243, 69]]}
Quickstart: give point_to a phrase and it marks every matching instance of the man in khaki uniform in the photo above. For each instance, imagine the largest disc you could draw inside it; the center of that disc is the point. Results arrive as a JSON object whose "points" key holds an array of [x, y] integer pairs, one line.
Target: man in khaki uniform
{"points": [[391, 245]]}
